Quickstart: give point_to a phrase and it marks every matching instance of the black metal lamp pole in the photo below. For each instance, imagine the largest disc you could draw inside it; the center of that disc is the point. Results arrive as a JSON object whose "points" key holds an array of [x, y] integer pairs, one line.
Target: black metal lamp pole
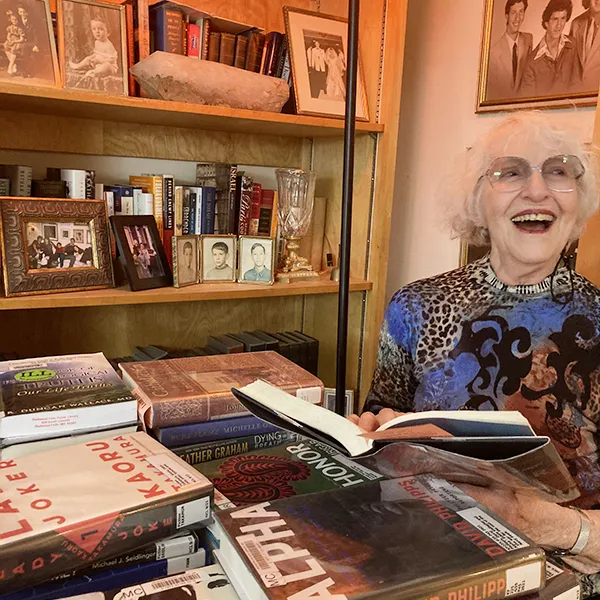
{"points": [[348, 181]]}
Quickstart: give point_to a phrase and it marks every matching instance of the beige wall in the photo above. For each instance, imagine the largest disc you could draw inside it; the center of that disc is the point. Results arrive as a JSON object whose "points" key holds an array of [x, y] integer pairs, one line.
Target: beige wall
{"points": [[437, 123]]}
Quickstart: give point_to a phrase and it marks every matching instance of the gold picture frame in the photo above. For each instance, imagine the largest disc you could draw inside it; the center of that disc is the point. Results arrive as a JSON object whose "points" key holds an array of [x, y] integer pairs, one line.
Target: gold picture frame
{"points": [[318, 49], [182, 274], [502, 88], [250, 270], [214, 270]]}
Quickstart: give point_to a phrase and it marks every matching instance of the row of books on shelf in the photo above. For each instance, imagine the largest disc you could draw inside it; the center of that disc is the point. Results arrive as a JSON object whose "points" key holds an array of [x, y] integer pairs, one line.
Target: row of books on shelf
{"points": [[274, 515]]}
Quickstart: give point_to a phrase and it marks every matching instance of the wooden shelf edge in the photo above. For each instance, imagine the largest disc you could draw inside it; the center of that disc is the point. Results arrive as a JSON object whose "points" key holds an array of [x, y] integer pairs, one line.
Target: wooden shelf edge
{"points": [[92, 105], [195, 293]]}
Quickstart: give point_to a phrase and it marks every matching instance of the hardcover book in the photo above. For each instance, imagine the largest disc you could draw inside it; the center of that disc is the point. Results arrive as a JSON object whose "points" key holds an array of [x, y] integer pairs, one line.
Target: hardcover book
{"points": [[561, 584], [410, 538], [55, 519], [152, 184], [190, 390], [59, 395]]}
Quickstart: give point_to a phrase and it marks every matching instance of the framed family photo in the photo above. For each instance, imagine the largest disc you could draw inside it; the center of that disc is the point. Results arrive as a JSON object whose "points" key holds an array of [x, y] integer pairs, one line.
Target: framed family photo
{"points": [[40, 247], [256, 260], [186, 260], [318, 48], [28, 49], [92, 40], [539, 53], [219, 254], [141, 252]]}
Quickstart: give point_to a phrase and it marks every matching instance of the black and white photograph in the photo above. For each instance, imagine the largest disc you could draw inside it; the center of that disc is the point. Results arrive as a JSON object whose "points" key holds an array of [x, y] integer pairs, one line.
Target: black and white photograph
{"points": [[92, 43], [256, 262], [28, 48], [219, 258], [539, 53], [318, 46], [143, 249], [185, 260], [46, 251]]}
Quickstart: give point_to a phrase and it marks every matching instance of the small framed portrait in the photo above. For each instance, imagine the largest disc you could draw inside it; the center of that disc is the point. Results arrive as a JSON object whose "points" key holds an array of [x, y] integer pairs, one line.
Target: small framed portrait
{"points": [[37, 261], [186, 260], [92, 41], [539, 54], [257, 260], [28, 48], [318, 49], [141, 252], [219, 254]]}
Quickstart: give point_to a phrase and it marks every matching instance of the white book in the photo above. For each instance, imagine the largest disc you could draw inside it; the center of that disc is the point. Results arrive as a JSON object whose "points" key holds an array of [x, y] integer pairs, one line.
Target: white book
{"points": [[76, 182]]}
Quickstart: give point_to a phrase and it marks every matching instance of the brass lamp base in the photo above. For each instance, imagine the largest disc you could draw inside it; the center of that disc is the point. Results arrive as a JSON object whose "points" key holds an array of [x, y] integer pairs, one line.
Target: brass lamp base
{"points": [[294, 267]]}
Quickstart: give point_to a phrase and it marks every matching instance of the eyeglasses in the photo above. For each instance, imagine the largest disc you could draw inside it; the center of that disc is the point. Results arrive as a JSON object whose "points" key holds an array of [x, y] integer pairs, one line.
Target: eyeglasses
{"points": [[512, 173]]}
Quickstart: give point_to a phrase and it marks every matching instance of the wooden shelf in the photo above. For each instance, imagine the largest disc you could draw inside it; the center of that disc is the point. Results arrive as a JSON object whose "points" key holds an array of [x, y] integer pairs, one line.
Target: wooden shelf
{"points": [[90, 105], [193, 293]]}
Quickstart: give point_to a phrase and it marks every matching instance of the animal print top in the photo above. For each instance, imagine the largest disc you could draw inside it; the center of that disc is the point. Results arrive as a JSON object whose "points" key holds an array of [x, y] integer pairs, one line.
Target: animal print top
{"points": [[465, 340]]}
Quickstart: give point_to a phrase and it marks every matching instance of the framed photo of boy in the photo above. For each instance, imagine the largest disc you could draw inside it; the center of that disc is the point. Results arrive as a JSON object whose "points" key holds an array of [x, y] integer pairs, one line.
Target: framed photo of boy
{"points": [[257, 260], [37, 261], [141, 252], [92, 42], [219, 253], [28, 48], [318, 46], [186, 260], [539, 54]]}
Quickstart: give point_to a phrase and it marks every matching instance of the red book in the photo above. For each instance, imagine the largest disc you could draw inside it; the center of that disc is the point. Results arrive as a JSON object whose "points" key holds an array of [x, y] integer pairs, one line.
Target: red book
{"points": [[255, 209], [193, 40], [267, 199]]}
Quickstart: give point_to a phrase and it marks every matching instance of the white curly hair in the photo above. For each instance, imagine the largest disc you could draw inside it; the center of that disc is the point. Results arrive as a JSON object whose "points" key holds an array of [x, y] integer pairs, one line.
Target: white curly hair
{"points": [[464, 213]]}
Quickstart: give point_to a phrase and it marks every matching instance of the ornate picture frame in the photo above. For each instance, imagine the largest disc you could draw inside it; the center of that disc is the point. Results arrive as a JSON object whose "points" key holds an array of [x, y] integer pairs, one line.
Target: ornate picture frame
{"points": [[34, 264], [187, 254], [526, 64]]}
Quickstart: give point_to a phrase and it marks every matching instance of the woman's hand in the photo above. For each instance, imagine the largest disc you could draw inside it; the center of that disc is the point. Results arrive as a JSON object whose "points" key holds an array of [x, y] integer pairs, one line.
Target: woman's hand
{"points": [[370, 422]]}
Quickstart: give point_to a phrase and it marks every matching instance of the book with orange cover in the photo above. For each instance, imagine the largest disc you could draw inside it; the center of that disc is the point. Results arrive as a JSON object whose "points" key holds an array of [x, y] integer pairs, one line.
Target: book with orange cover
{"points": [[55, 520], [196, 389]]}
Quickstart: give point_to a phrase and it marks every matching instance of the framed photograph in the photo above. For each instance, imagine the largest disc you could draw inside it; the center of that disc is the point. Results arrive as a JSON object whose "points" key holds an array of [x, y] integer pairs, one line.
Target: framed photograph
{"points": [[141, 251], [539, 54], [219, 253], [92, 41], [28, 48], [186, 260], [470, 253], [257, 260], [318, 48], [36, 261]]}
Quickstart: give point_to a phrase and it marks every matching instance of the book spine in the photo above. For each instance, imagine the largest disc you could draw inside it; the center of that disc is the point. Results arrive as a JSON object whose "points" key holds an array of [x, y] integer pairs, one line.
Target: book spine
{"points": [[20, 179], [241, 49], [178, 224], [28, 562], [109, 198], [196, 454], [227, 49], [174, 263], [193, 40], [245, 204], [76, 182], [198, 219], [168, 202], [266, 212], [255, 209], [205, 38], [90, 182], [208, 201], [142, 29], [231, 199], [4, 186], [145, 204], [214, 44], [193, 211], [208, 431], [168, 35], [130, 35], [46, 189], [185, 229]]}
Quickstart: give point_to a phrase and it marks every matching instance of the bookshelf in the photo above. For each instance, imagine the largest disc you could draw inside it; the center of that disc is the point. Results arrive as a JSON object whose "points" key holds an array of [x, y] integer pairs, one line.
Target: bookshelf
{"points": [[49, 120]]}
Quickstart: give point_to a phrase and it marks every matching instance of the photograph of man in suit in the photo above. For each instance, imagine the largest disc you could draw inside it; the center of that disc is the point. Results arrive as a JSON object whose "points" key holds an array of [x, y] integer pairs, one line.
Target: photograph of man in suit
{"points": [[509, 55], [584, 30], [317, 69], [30, 48]]}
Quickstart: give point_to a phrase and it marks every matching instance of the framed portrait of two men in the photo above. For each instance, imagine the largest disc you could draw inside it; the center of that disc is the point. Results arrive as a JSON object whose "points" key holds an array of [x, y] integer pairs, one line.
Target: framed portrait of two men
{"points": [[539, 54]]}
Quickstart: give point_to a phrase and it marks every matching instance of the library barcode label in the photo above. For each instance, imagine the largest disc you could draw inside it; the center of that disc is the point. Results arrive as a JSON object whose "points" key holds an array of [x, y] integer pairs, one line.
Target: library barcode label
{"points": [[193, 512], [171, 582], [267, 571], [523, 579]]}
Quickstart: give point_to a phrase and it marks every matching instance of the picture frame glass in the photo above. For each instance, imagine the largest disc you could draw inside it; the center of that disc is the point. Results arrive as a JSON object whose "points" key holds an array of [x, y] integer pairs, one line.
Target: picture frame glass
{"points": [[144, 251], [218, 258], [533, 56], [28, 54], [93, 41], [256, 260], [319, 47], [187, 260]]}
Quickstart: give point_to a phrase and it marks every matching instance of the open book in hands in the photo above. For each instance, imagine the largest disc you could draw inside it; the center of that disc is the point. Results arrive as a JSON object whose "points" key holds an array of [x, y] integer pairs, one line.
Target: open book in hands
{"points": [[479, 447]]}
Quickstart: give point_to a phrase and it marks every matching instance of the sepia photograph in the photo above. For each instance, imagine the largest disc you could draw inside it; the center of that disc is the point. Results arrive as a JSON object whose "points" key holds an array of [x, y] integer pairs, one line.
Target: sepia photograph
{"points": [[28, 48], [92, 46], [539, 53], [219, 257], [256, 260], [318, 48], [45, 251], [185, 260], [143, 250]]}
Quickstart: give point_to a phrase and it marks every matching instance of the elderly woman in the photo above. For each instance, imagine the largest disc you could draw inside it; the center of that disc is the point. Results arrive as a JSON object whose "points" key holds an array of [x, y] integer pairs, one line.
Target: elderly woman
{"points": [[516, 330]]}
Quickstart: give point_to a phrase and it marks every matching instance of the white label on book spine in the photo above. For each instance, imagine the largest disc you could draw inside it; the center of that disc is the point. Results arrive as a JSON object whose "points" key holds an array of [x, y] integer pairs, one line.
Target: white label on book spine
{"points": [[552, 570], [311, 394], [180, 546], [504, 537], [177, 473], [168, 583], [271, 576], [193, 512], [572, 594], [525, 578]]}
